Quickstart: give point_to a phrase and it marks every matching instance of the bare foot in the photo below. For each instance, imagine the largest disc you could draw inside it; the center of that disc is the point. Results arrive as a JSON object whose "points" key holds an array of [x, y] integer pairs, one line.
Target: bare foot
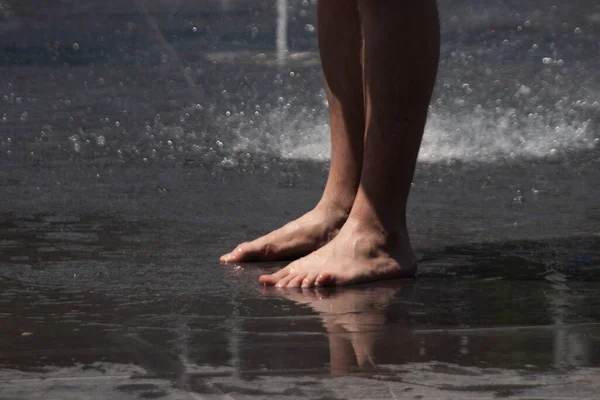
{"points": [[359, 253], [295, 239]]}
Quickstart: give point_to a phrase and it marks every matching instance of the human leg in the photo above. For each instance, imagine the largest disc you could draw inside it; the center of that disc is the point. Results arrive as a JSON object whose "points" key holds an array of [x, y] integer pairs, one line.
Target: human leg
{"points": [[340, 39], [401, 51]]}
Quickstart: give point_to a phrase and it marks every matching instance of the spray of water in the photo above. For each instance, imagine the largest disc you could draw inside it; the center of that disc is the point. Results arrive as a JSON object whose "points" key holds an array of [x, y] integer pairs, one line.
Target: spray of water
{"points": [[481, 136]]}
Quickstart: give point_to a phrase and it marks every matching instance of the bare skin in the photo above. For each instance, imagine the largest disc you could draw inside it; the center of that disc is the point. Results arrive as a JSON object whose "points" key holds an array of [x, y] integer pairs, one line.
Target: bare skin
{"points": [[340, 43], [357, 254], [296, 238], [398, 74]]}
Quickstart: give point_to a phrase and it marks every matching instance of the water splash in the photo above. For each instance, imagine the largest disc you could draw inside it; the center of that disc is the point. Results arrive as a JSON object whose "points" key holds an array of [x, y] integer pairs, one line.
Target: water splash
{"points": [[482, 136]]}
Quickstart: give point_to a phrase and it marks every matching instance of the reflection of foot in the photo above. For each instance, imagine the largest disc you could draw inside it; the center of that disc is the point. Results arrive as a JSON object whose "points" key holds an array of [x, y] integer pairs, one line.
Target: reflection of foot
{"points": [[295, 239], [356, 309], [359, 253], [352, 316]]}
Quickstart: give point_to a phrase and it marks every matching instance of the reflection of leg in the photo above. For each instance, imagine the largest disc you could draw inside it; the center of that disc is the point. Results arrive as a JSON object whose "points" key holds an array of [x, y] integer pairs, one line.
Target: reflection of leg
{"points": [[341, 355], [401, 49], [340, 47], [353, 317], [364, 345]]}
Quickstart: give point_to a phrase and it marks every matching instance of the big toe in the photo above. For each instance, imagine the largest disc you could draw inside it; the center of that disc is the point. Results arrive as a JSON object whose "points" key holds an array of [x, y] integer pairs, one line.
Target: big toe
{"points": [[232, 256], [243, 252], [272, 279], [258, 250], [269, 280]]}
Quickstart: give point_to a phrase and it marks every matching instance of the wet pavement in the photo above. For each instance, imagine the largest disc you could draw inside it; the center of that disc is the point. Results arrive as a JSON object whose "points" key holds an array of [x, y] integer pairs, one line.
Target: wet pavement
{"points": [[114, 291], [141, 140]]}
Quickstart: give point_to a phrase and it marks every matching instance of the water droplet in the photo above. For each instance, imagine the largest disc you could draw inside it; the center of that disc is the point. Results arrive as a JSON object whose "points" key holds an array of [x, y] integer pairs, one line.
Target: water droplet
{"points": [[309, 28], [547, 60], [75, 46], [577, 30], [24, 116], [219, 143], [227, 163], [519, 199], [528, 23], [228, 114], [194, 29], [117, 124], [524, 90], [254, 31], [169, 142]]}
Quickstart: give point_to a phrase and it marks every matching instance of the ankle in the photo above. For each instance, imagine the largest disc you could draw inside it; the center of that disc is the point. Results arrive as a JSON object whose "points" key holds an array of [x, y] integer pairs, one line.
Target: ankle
{"points": [[335, 207], [384, 234]]}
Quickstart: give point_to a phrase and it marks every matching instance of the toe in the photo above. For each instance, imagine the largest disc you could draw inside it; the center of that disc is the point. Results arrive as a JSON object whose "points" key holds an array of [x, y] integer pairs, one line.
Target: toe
{"points": [[297, 281], [237, 254], [325, 279], [310, 279], [283, 282], [258, 250], [272, 279], [225, 258]]}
